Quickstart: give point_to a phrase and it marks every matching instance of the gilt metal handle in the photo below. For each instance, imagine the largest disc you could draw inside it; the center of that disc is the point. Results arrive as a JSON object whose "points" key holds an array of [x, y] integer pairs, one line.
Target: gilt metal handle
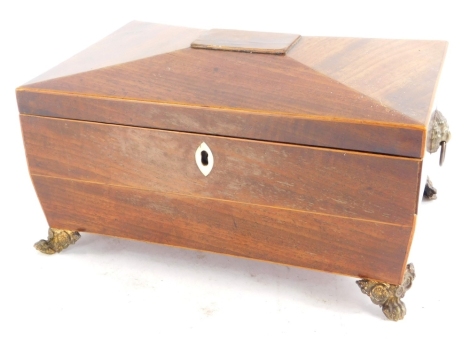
{"points": [[440, 135]]}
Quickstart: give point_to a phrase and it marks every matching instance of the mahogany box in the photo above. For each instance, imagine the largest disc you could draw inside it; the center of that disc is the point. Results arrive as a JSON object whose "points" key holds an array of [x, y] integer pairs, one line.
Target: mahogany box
{"points": [[305, 151]]}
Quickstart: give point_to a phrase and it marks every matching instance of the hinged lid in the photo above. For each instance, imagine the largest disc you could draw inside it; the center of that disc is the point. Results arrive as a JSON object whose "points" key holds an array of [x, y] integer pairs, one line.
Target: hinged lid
{"points": [[370, 95]]}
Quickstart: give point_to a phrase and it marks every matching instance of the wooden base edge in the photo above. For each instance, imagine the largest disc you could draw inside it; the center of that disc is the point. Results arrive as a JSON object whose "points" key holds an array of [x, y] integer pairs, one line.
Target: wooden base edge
{"points": [[326, 243]]}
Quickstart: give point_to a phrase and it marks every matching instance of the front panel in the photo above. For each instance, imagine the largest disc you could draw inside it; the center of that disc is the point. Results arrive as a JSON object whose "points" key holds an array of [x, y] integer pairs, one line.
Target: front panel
{"points": [[339, 183]]}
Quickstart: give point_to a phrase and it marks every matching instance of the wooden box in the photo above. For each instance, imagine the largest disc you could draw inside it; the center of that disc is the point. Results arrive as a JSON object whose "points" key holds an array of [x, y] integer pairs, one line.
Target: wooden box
{"points": [[305, 151]]}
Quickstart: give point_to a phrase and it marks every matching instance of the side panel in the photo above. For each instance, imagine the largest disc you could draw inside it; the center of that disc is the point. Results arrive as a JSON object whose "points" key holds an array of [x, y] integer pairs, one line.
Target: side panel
{"points": [[347, 184], [327, 243]]}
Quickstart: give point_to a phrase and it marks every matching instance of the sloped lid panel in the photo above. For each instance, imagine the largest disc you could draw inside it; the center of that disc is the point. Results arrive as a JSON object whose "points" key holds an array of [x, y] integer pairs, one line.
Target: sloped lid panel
{"points": [[134, 41], [252, 82], [400, 74]]}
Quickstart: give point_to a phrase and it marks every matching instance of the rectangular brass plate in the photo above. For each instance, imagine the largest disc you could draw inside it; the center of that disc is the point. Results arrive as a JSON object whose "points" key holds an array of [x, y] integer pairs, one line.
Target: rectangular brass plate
{"points": [[245, 41]]}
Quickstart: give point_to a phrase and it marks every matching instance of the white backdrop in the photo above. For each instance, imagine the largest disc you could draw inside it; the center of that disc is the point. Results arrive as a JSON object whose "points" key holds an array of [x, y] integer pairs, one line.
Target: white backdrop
{"points": [[118, 288]]}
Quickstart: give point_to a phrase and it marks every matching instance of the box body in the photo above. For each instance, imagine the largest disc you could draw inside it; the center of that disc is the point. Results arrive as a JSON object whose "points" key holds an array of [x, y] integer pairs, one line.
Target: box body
{"points": [[309, 167]]}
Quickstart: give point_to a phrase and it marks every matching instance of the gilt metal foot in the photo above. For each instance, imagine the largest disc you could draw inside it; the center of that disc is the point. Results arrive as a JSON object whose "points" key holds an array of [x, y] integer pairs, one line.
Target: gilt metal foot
{"points": [[388, 296], [57, 241], [430, 191]]}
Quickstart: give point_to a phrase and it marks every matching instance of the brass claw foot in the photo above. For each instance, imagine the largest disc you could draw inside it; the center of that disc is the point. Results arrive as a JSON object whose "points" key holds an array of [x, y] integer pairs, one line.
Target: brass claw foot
{"points": [[57, 241], [430, 191], [388, 296]]}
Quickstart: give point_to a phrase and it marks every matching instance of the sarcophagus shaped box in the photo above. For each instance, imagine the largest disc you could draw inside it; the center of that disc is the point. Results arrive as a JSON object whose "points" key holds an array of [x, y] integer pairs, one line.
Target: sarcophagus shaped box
{"points": [[305, 151]]}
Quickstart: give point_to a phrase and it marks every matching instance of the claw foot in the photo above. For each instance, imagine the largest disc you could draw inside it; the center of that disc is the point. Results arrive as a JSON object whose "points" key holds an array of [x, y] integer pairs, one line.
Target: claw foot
{"points": [[57, 241], [388, 296]]}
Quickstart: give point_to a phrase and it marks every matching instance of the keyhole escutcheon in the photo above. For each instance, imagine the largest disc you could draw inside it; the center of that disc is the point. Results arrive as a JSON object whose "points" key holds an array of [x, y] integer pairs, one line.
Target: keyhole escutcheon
{"points": [[204, 159]]}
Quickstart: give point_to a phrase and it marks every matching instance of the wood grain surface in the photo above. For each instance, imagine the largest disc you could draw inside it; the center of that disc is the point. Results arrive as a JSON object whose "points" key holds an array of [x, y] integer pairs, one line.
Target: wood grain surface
{"points": [[346, 184], [293, 129], [136, 40], [221, 79], [245, 41], [365, 86], [346, 246], [401, 74]]}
